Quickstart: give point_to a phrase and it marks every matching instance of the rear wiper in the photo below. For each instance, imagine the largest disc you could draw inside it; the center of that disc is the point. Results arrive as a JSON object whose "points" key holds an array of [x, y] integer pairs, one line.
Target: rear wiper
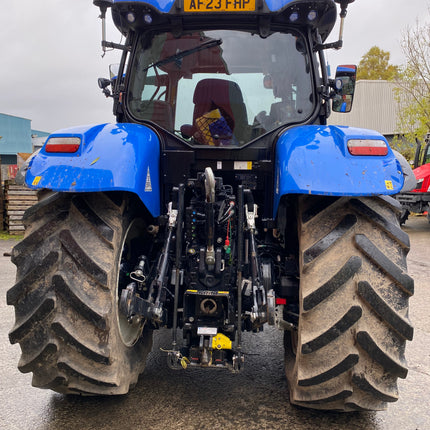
{"points": [[179, 55]]}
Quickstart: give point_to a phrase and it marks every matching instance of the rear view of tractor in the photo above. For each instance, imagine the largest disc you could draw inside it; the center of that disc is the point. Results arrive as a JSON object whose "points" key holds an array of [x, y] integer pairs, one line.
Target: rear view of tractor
{"points": [[418, 200], [219, 202]]}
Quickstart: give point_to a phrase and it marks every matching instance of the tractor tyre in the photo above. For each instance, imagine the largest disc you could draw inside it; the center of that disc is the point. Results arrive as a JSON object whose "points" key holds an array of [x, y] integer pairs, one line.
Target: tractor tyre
{"points": [[69, 280], [348, 349]]}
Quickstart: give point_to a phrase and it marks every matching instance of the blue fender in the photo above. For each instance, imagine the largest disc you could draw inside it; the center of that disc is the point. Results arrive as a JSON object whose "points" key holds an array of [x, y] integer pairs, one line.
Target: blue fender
{"points": [[111, 157], [314, 159]]}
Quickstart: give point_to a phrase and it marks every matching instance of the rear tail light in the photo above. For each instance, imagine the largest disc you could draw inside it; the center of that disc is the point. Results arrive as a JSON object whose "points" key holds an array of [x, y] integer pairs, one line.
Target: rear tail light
{"points": [[367, 147], [63, 144]]}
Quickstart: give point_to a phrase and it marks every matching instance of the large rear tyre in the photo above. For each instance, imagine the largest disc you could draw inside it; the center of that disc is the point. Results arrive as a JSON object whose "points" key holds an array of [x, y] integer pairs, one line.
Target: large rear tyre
{"points": [[69, 280], [348, 350]]}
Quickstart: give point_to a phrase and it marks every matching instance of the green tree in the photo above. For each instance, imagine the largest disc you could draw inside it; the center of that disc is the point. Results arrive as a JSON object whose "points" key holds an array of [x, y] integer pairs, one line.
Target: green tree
{"points": [[413, 93], [375, 65]]}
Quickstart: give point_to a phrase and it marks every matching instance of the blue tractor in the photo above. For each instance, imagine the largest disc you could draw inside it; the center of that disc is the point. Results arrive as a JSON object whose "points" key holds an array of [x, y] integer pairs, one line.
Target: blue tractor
{"points": [[219, 202]]}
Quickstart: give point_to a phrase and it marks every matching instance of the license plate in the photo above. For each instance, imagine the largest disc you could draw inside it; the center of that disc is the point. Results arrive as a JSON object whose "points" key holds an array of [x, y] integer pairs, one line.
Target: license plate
{"points": [[219, 5]]}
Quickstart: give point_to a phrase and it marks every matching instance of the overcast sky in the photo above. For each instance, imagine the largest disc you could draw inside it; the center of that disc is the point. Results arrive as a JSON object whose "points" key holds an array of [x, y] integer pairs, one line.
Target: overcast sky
{"points": [[50, 55]]}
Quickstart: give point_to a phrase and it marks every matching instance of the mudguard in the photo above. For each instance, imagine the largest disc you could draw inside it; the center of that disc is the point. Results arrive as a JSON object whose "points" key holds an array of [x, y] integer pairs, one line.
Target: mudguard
{"points": [[410, 182], [314, 159], [111, 157]]}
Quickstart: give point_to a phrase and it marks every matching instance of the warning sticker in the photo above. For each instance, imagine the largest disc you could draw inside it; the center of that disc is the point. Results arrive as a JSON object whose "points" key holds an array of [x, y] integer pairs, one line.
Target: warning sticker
{"points": [[36, 180], [389, 185], [243, 165], [148, 185]]}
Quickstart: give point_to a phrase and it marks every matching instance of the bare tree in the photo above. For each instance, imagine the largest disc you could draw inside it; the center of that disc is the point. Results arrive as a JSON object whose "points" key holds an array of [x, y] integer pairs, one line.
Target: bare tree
{"points": [[413, 93]]}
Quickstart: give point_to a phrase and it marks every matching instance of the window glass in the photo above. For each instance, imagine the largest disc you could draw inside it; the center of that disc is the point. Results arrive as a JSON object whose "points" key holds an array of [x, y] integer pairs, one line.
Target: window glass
{"points": [[221, 87]]}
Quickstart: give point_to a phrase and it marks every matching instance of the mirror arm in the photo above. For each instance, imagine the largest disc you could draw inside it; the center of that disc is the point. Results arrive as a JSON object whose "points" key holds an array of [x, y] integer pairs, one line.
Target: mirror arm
{"points": [[112, 45], [339, 43], [107, 93], [103, 5], [334, 45]]}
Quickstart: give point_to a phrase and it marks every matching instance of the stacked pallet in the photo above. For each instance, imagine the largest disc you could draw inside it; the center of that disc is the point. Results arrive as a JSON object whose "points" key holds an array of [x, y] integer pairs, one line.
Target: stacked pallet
{"points": [[1, 207], [18, 199], [1, 200]]}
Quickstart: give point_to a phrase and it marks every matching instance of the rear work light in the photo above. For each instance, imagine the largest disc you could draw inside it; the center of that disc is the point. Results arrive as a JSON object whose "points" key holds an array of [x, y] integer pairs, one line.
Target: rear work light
{"points": [[63, 144], [367, 147]]}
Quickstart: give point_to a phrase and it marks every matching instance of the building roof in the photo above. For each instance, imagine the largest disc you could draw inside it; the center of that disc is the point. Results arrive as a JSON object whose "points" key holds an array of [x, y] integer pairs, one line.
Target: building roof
{"points": [[374, 107], [16, 134]]}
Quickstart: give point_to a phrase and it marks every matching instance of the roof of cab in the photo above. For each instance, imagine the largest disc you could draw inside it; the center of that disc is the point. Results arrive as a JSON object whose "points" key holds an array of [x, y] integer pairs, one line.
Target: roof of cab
{"points": [[319, 14], [166, 5]]}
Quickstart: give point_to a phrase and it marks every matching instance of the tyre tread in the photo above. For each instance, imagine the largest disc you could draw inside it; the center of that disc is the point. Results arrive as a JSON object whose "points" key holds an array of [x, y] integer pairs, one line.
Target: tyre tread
{"points": [[82, 258], [100, 226], [346, 272], [382, 357], [329, 239], [25, 324], [336, 330], [383, 223], [363, 384], [380, 306], [384, 263], [343, 366]]}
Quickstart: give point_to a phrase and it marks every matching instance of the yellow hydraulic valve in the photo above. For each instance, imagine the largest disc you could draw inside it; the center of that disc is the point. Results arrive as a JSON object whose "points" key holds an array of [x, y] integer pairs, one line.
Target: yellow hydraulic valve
{"points": [[221, 341]]}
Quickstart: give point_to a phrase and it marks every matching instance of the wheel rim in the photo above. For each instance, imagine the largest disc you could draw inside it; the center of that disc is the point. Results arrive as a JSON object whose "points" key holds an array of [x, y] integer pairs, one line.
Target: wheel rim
{"points": [[130, 332]]}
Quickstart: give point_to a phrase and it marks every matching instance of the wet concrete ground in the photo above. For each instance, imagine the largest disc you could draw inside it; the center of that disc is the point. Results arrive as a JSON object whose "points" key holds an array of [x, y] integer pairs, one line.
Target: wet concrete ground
{"points": [[255, 399]]}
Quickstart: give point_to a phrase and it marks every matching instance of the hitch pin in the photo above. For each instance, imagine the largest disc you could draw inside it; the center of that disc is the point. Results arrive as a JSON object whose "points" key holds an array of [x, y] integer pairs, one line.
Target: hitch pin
{"points": [[250, 216]]}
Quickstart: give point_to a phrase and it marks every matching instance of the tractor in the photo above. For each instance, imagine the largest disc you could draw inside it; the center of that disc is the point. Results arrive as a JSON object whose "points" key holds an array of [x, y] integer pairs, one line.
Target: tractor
{"points": [[218, 203], [418, 199]]}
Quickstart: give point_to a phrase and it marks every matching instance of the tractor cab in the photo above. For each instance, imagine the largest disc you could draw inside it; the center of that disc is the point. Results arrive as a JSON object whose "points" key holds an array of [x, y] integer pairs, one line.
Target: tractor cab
{"points": [[422, 153], [222, 79]]}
